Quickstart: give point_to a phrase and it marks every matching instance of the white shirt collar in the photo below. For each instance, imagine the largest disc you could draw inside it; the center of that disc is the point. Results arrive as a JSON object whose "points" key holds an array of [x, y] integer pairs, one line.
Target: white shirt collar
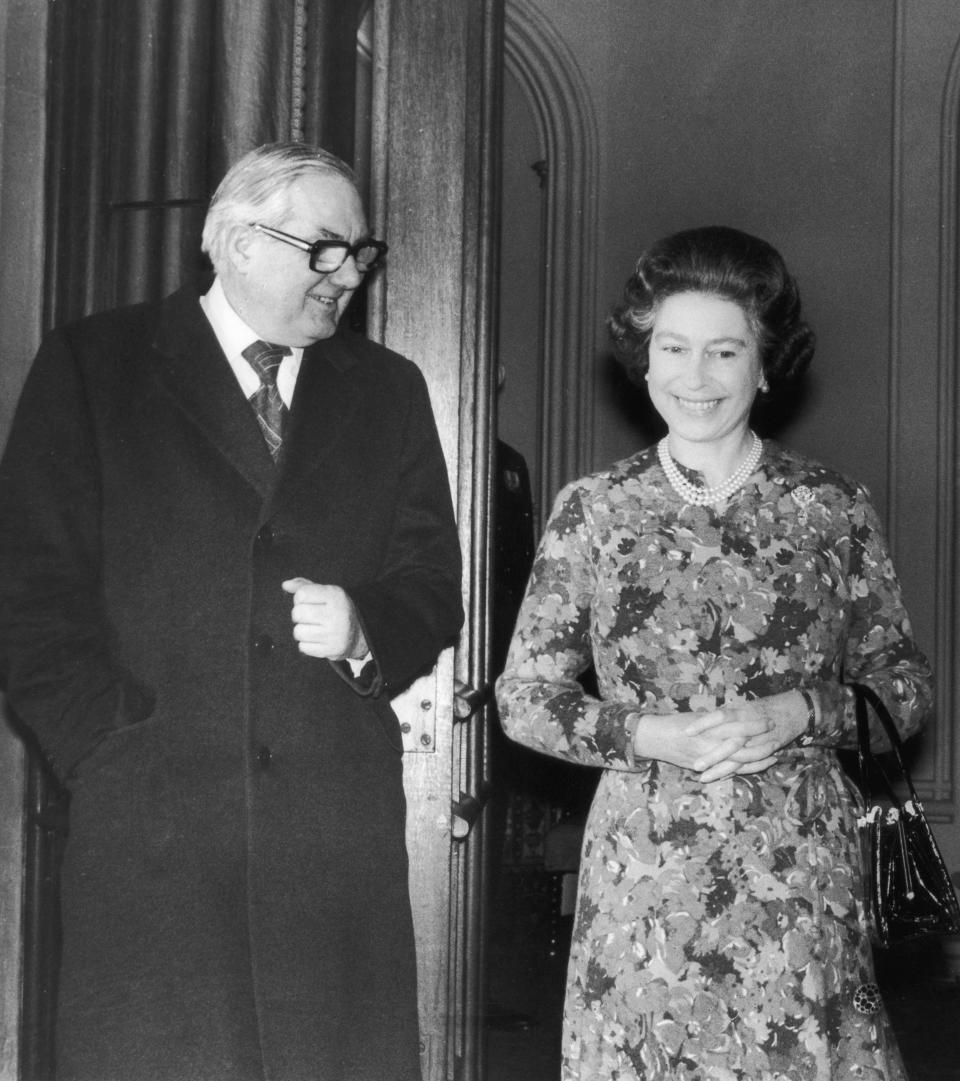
{"points": [[234, 336]]}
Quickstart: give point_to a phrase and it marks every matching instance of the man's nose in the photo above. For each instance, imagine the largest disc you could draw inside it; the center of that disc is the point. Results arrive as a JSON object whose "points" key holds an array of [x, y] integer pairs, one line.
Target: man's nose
{"points": [[347, 276]]}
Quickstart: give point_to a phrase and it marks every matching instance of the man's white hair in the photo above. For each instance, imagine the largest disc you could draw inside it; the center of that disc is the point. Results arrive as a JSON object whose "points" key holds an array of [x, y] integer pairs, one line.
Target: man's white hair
{"points": [[257, 188]]}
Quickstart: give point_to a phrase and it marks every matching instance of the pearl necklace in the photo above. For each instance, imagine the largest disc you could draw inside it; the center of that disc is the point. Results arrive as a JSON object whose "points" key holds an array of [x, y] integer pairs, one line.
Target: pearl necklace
{"points": [[703, 497]]}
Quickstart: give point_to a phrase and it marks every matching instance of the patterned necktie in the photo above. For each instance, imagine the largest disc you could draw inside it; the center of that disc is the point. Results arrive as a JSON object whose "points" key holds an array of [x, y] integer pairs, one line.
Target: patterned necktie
{"points": [[265, 360]]}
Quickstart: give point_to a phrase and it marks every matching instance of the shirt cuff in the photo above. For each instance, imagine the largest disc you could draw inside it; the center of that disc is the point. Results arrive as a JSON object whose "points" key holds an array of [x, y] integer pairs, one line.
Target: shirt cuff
{"points": [[357, 663]]}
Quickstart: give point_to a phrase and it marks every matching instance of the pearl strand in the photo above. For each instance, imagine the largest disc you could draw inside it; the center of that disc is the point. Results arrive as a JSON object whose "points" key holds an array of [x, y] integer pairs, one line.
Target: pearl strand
{"points": [[702, 497]]}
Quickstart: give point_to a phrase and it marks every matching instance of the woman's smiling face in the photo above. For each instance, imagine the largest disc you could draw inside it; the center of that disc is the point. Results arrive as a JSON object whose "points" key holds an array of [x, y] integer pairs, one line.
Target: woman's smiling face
{"points": [[705, 368]]}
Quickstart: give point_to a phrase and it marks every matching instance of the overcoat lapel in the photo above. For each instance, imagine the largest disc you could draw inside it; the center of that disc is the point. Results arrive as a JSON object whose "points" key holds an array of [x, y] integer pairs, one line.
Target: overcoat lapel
{"points": [[191, 367], [324, 408]]}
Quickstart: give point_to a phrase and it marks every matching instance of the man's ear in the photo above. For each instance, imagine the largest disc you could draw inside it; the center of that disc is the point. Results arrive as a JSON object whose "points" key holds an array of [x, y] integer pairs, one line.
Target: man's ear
{"points": [[240, 239]]}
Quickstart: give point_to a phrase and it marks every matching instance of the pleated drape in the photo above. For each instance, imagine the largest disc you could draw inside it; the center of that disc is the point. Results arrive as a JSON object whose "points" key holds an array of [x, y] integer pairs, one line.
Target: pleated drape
{"points": [[150, 102]]}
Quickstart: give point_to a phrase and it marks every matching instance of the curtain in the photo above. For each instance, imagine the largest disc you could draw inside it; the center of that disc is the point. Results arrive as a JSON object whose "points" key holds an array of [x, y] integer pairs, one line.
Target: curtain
{"points": [[150, 101]]}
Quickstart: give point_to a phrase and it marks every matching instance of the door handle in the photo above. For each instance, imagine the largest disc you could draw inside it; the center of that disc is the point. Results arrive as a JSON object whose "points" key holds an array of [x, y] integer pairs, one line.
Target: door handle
{"points": [[465, 811], [467, 700]]}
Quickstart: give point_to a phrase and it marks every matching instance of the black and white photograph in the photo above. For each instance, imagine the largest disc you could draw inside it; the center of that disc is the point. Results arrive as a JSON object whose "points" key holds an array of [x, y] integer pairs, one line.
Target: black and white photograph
{"points": [[479, 540]]}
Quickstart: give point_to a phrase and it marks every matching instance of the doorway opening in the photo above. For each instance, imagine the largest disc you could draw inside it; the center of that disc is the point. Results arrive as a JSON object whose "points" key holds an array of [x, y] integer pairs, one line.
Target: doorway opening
{"points": [[545, 350]]}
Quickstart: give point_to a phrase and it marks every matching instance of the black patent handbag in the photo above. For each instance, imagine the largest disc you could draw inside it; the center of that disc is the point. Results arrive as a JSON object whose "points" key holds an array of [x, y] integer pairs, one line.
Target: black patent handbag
{"points": [[909, 892]]}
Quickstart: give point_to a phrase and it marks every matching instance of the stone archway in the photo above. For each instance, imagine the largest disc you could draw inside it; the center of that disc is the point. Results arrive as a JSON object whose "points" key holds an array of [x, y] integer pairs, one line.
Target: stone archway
{"points": [[538, 58]]}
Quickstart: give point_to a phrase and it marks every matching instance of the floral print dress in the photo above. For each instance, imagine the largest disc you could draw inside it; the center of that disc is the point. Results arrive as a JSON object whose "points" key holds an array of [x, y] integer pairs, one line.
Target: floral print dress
{"points": [[720, 930]]}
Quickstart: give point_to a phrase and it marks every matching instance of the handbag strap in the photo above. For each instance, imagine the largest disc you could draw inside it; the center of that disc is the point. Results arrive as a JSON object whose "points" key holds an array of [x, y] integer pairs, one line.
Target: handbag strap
{"points": [[866, 757]]}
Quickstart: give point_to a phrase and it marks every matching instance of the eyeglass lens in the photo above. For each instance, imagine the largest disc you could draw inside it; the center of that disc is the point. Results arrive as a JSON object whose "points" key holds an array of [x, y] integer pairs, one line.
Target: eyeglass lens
{"points": [[325, 258]]}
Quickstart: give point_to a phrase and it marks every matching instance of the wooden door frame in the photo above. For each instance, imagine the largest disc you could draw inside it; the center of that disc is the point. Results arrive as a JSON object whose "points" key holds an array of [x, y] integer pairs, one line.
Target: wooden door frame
{"points": [[23, 29], [437, 97], [543, 65]]}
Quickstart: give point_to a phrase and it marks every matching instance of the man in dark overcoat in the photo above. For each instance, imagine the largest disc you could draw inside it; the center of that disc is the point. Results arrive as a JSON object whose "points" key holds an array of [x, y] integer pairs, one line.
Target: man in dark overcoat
{"points": [[215, 572]]}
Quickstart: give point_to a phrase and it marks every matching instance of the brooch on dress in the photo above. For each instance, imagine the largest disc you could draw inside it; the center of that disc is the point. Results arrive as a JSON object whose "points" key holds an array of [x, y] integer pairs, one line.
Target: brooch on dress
{"points": [[803, 497], [867, 1000]]}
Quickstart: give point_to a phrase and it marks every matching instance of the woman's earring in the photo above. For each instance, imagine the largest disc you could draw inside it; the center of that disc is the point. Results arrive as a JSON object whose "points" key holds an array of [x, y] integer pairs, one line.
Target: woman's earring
{"points": [[764, 386]]}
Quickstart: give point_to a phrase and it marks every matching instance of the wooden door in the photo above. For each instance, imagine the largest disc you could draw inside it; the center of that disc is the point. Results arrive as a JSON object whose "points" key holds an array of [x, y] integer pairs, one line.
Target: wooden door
{"points": [[436, 98]]}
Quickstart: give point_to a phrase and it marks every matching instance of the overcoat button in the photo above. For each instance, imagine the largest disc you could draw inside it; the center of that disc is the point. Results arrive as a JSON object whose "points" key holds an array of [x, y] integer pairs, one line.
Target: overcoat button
{"points": [[265, 755], [266, 535], [263, 644]]}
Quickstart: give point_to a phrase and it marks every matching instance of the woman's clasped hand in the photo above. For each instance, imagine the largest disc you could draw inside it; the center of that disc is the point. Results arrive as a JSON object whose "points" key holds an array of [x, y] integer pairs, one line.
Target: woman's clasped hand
{"points": [[740, 737]]}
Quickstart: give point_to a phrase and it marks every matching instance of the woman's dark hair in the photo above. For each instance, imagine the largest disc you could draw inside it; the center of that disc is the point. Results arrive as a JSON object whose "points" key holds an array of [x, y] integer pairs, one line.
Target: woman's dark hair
{"points": [[725, 263]]}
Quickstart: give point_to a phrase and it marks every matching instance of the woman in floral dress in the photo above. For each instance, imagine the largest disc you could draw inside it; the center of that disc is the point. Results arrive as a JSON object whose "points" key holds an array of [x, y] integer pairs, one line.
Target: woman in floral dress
{"points": [[727, 592]]}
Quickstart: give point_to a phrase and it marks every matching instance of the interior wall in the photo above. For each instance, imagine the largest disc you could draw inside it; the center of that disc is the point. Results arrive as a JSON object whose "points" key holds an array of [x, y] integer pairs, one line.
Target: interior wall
{"points": [[816, 125], [778, 125]]}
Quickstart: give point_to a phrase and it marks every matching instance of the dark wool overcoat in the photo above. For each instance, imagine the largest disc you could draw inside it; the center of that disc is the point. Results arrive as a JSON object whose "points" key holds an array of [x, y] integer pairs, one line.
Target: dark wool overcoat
{"points": [[234, 884]]}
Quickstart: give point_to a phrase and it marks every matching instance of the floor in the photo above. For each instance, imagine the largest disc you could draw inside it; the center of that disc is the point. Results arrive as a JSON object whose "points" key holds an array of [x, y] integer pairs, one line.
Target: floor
{"points": [[528, 948], [528, 970]]}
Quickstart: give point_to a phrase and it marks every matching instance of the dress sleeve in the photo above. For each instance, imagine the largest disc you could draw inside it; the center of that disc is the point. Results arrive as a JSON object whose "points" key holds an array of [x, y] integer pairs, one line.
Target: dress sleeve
{"points": [[880, 648], [541, 702]]}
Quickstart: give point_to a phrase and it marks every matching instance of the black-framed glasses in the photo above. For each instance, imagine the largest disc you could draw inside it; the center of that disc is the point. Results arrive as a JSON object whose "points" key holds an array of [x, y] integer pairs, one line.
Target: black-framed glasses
{"points": [[326, 256]]}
